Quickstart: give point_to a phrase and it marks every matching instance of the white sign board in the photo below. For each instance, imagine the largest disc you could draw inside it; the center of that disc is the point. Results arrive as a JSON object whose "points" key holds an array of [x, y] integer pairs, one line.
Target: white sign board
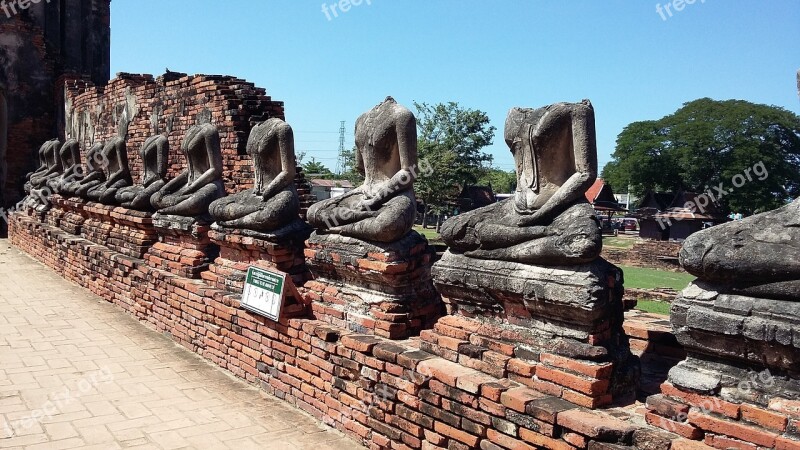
{"points": [[263, 292]]}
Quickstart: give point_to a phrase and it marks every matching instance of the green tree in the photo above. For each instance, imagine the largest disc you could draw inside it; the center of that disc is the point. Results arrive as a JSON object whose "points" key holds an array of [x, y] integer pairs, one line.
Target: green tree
{"points": [[351, 172], [450, 141], [316, 169], [708, 142], [502, 182]]}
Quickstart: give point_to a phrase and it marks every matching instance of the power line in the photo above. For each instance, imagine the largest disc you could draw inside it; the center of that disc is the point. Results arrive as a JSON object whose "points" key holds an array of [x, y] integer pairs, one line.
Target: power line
{"points": [[341, 163]]}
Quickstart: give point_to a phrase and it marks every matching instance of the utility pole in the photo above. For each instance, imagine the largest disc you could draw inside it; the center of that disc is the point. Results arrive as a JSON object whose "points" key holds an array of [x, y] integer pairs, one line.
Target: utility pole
{"points": [[341, 164]]}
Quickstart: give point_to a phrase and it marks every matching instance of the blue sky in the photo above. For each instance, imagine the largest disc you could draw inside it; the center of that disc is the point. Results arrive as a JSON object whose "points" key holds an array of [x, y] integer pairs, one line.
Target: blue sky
{"points": [[622, 54]]}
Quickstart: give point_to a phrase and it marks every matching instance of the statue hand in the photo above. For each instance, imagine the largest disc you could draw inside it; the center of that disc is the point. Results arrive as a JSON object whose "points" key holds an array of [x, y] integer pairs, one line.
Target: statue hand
{"points": [[367, 205]]}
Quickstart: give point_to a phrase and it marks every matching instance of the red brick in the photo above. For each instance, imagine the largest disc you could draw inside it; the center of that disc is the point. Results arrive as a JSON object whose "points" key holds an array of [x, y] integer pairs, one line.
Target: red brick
{"points": [[592, 370], [472, 383], [443, 370], [575, 440], [543, 441], [725, 443], [596, 425], [686, 430], [733, 429], [586, 401], [785, 443], [506, 441], [789, 407], [521, 367], [591, 387], [518, 398], [766, 419], [456, 434], [685, 444], [711, 404]]}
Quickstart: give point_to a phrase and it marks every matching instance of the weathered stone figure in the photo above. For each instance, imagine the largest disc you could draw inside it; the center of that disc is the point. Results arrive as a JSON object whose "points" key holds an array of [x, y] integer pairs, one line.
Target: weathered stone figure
{"points": [[39, 183], [549, 221], [118, 174], [191, 193], [41, 170], [154, 154], [384, 207], [93, 173], [273, 201], [70, 155]]}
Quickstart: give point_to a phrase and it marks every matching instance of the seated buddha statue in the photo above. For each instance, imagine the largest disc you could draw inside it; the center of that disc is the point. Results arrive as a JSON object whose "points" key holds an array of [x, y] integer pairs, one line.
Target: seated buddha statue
{"points": [[118, 174], [273, 201], [92, 174], [49, 165], [757, 256], [548, 221], [39, 170], [70, 155], [154, 154], [191, 193], [384, 207]]}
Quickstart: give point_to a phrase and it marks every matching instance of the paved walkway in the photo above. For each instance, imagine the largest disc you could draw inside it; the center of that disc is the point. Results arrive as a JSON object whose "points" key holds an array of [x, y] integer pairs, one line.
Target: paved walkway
{"points": [[77, 372]]}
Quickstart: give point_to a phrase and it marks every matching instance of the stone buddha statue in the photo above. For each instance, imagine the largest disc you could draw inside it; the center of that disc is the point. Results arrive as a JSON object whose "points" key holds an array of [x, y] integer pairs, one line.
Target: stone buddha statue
{"points": [[273, 201], [70, 155], [154, 154], [33, 177], [40, 184], [382, 209], [191, 193], [548, 221], [93, 173], [118, 174]]}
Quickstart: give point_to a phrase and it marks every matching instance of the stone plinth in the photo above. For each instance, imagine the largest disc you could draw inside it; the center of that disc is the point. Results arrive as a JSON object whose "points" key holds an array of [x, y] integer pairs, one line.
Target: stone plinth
{"points": [[563, 324], [99, 223], [54, 214], [133, 233], [371, 287], [183, 246], [281, 250], [741, 380]]}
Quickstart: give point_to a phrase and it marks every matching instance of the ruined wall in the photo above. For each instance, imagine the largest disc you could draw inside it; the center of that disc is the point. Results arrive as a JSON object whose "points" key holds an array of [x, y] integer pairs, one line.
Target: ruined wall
{"points": [[39, 44], [647, 253], [139, 106]]}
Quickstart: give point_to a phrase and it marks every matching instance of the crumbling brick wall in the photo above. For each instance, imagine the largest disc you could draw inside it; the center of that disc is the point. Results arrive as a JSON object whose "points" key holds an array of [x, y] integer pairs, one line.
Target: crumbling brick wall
{"points": [[170, 105]]}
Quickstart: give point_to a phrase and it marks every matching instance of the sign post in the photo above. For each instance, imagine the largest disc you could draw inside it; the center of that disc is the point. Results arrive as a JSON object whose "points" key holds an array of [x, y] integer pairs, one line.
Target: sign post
{"points": [[264, 293]]}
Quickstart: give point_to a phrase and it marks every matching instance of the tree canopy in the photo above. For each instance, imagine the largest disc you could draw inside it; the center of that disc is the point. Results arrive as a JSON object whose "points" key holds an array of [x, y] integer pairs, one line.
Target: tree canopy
{"points": [[706, 143], [316, 169], [450, 140]]}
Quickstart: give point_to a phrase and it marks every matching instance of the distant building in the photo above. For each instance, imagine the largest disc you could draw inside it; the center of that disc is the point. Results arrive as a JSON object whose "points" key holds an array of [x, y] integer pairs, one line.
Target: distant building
{"points": [[666, 216], [602, 198], [325, 189], [474, 197]]}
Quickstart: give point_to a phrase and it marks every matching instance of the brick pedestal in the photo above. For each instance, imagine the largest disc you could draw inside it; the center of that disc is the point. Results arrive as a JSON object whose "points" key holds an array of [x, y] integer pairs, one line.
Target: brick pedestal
{"points": [[370, 287], [99, 223], [240, 249], [183, 246], [74, 214], [133, 234], [740, 385], [558, 330]]}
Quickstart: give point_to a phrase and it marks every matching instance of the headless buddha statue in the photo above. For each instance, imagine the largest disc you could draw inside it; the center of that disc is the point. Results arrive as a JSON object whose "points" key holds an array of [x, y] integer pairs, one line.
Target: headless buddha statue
{"points": [[191, 193], [154, 154], [273, 201], [70, 155], [93, 174], [118, 174], [382, 209], [36, 174], [548, 221], [40, 185]]}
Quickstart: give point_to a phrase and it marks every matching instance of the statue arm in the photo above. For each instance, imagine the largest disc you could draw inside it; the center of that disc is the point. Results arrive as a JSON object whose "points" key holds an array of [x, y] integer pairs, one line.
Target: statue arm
{"points": [[175, 183], [288, 168], [585, 153], [214, 171]]}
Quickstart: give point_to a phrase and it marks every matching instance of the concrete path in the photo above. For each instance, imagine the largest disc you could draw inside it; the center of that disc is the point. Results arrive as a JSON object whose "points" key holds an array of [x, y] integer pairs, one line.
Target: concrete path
{"points": [[77, 372]]}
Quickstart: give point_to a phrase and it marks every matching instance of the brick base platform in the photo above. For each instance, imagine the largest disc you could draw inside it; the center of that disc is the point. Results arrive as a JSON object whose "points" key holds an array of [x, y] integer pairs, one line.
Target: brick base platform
{"points": [[74, 214], [388, 394], [183, 246], [374, 288]]}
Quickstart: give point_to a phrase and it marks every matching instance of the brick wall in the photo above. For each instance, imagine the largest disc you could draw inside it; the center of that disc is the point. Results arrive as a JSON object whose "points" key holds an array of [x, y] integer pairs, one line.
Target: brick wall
{"points": [[647, 253], [386, 394], [171, 104]]}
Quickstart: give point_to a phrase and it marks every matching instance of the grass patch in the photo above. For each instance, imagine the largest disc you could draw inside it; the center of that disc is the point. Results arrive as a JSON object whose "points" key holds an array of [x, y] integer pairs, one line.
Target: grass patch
{"points": [[642, 278], [660, 308], [618, 242], [429, 233]]}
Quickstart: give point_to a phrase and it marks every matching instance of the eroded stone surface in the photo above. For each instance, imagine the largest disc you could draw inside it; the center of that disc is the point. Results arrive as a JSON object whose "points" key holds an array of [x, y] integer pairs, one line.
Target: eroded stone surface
{"points": [[154, 154]]}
